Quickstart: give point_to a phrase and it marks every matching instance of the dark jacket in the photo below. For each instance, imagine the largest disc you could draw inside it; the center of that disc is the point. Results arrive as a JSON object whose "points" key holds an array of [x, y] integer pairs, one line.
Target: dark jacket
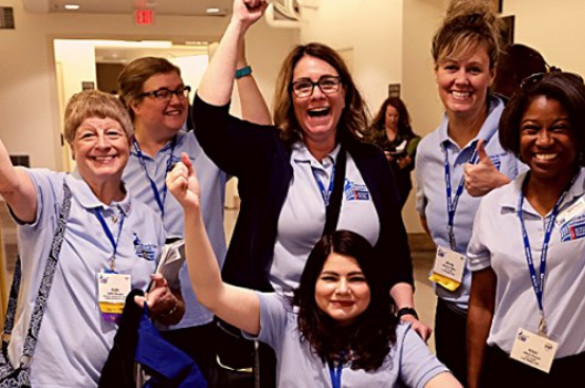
{"points": [[261, 161]]}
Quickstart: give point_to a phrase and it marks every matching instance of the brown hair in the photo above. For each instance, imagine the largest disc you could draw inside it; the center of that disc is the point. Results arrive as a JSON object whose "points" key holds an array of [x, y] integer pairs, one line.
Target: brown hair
{"points": [[136, 73], [93, 103], [354, 118], [377, 129], [468, 24]]}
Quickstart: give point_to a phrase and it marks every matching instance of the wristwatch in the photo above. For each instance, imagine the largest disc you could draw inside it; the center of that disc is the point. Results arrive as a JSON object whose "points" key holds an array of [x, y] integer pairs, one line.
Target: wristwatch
{"points": [[406, 311]]}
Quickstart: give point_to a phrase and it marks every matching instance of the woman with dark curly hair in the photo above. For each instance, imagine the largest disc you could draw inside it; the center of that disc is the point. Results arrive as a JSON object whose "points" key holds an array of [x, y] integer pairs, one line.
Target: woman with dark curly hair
{"points": [[391, 131], [526, 307], [340, 326]]}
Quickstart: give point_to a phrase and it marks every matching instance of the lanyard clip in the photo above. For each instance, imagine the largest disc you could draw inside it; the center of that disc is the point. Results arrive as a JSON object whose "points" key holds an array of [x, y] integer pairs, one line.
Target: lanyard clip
{"points": [[452, 242], [542, 326]]}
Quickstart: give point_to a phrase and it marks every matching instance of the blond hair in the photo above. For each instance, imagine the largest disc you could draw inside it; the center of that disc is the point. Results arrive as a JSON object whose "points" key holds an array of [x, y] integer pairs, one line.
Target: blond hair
{"points": [[467, 25], [93, 103]]}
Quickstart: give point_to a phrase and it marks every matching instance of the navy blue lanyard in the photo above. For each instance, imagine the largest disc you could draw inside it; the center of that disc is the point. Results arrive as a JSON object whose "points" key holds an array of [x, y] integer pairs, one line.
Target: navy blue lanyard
{"points": [[326, 194], [452, 202], [100, 217], [335, 373], [160, 201], [538, 281]]}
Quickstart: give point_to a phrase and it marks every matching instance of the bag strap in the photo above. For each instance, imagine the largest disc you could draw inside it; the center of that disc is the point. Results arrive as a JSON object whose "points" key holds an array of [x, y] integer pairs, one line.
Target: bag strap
{"points": [[46, 281], [11, 308], [334, 207]]}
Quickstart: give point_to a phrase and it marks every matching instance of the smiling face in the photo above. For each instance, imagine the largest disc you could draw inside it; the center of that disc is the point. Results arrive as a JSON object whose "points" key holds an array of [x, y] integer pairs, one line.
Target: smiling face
{"points": [[319, 113], [463, 81], [163, 116], [341, 290], [547, 143], [101, 149], [391, 118]]}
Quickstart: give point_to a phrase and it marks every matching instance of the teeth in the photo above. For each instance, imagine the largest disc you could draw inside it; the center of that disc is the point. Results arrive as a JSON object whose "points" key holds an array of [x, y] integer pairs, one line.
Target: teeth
{"points": [[545, 156], [103, 158], [460, 94], [319, 109]]}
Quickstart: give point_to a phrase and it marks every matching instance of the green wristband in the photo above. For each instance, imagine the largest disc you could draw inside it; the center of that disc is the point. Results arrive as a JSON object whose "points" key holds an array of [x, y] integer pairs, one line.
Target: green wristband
{"points": [[244, 71]]}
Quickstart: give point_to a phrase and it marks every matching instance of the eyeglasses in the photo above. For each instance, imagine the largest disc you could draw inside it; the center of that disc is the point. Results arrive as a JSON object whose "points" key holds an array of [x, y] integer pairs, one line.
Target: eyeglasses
{"points": [[304, 87], [164, 94]]}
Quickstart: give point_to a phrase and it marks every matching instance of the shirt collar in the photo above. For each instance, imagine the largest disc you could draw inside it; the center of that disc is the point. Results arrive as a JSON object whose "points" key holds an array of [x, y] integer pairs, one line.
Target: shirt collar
{"points": [[180, 139], [301, 154], [490, 124], [510, 202], [86, 198]]}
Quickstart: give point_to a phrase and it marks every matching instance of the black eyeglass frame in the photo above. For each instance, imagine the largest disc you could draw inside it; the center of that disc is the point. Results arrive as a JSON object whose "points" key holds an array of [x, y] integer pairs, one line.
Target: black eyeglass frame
{"points": [[182, 91], [337, 79]]}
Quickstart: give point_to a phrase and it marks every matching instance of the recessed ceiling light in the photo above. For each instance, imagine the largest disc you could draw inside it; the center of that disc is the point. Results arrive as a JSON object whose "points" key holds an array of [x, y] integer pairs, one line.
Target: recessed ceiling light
{"points": [[212, 10], [71, 7]]}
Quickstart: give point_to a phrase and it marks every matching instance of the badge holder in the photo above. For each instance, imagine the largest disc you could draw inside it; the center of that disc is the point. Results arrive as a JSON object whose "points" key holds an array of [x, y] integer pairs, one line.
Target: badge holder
{"points": [[448, 269]]}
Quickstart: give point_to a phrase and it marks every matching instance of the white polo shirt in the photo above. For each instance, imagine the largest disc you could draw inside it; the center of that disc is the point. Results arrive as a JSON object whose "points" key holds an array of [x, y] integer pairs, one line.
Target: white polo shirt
{"points": [[212, 181], [302, 218], [74, 341], [431, 195], [497, 243]]}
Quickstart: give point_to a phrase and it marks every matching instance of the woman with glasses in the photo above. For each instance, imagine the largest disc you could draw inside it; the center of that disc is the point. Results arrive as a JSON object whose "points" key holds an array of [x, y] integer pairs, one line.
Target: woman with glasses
{"points": [[526, 300], [296, 175], [157, 99], [84, 242], [460, 160]]}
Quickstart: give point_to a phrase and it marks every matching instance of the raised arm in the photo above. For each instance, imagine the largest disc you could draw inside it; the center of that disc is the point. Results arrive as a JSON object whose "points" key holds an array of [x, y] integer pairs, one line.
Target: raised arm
{"points": [[237, 306], [479, 321], [17, 189], [483, 177], [254, 108], [217, 83]]}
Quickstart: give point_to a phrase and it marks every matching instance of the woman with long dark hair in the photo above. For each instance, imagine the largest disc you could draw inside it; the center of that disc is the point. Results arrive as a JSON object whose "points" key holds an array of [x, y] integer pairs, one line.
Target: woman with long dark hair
{"points": [[340, 326], [391, 131]]}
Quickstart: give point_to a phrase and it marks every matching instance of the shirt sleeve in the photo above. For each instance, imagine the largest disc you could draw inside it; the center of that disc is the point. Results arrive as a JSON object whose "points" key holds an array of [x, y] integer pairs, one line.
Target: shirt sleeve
{"points": [[477, 252], [417, 364], [273, 320], [421, 200], [49, 191]]}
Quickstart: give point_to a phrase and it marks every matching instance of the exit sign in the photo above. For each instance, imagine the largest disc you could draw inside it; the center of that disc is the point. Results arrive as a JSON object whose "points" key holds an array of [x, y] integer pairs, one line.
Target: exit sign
{"points": [[144, 16]]}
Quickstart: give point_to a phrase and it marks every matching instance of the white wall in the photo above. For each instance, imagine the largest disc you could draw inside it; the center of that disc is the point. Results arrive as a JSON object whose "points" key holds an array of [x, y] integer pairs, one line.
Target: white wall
{"points": [[370, 31], [29, 111], [556, 29], [419, 89]]}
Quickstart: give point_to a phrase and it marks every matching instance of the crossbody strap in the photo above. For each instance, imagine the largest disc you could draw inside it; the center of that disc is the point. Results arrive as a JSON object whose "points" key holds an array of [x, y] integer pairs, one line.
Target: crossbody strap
{"points": [[44, 288], [333, 209]]}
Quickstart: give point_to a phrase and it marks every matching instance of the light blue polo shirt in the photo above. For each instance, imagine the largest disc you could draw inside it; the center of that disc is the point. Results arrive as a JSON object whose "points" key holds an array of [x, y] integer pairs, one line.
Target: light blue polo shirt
{"points": [[497, 243], [302, 218], [431, 195], [74, 341], [212, 181], [409, 362]]}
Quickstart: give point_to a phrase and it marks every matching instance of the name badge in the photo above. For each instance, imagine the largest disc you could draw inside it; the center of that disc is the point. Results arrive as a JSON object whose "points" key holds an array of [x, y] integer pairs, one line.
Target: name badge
{"points": [[448, 269], [534, 350], [577, 208], [112, 291]]}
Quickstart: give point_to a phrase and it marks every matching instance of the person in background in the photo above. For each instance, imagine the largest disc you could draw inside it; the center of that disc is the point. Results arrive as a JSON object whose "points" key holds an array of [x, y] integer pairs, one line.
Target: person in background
{"points": [[108, 235], [516, 63], [391, 131], [541, 214], [460, 161], [287, 171], [157, 99], [339, 329]]}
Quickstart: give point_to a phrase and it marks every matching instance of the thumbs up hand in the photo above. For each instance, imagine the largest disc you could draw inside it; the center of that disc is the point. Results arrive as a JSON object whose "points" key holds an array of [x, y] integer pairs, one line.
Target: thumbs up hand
{"points": [[483, 177]]}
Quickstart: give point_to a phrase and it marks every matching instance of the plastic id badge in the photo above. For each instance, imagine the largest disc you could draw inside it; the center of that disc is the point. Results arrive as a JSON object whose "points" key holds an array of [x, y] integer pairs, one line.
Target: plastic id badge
{"points": [[448, 269], [534, 350], [112, 291]]}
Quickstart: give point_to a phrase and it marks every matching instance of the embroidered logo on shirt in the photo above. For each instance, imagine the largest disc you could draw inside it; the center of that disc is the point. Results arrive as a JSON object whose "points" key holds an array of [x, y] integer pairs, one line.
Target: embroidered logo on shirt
{"points": [[573, 229], [146, 251], [497, 161], [356, 191]]}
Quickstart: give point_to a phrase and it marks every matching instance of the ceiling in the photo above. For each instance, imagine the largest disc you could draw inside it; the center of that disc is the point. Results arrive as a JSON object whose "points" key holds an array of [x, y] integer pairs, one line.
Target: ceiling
{"points": [[160, 7]]}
